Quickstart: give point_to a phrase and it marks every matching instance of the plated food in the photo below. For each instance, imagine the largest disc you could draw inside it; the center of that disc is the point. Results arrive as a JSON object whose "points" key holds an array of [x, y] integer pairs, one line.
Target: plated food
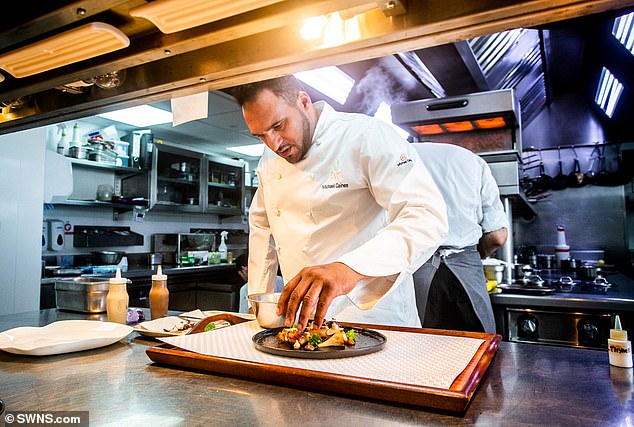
{"points": [[337, 341], [313, 339]]}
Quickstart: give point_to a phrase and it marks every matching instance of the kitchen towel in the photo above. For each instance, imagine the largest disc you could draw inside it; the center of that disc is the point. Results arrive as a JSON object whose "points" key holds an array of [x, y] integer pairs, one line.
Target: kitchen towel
{"points": [[409, 358], [189, 108]]}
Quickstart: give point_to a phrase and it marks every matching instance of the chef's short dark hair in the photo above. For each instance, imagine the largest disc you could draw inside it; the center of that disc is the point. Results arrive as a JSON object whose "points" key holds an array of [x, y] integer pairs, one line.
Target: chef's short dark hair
{"points": [[286, 87]]}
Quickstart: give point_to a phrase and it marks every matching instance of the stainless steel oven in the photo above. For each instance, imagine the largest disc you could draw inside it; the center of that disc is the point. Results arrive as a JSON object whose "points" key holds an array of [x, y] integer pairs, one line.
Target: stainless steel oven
{"points": [[572, 328]]}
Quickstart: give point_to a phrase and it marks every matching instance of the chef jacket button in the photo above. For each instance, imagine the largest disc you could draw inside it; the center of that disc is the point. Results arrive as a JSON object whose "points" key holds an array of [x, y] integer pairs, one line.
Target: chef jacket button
{"points": [[277, 212], [318, 142], [305, 250], [307, 214], [279, 176]]}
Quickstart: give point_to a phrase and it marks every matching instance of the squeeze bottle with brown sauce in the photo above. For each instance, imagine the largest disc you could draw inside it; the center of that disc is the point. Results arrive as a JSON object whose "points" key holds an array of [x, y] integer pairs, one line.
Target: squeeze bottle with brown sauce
{"points": [[117, 299], [159, 295]]}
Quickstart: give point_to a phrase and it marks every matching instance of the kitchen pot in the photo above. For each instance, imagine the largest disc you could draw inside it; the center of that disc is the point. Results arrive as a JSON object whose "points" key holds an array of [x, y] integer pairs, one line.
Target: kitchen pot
{"points": [[106, 257], [589, 272], [569, 266], [545, 261], [521, 270], [591, 173], [542, 182], [576, 178], [560, 181], [603, 176]]}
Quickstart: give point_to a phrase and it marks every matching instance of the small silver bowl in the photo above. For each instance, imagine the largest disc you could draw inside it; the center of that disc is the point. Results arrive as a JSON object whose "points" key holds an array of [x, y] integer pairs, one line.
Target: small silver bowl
{"points": [[264, 306]]}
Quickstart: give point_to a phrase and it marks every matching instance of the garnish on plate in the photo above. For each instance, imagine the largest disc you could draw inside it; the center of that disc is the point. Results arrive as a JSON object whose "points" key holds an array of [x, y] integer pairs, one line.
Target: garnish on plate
{"points": [[329, 334]]}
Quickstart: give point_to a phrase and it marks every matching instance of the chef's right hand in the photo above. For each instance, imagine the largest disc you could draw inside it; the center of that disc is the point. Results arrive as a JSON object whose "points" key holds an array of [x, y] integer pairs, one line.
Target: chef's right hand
{"points": [[314, 288]]}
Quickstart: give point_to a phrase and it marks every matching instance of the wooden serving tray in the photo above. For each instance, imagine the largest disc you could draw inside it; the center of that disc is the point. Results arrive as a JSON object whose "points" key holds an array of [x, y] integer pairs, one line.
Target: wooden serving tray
{"points": [[455, 399]]}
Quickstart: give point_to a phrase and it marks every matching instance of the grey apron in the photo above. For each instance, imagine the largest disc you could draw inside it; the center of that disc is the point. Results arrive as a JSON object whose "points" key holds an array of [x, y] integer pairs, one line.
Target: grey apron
{"points": [[466, 265]]}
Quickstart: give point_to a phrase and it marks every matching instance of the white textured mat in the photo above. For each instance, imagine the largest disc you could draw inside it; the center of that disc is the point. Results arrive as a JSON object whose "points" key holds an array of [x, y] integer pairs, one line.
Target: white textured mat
{"points": [[408, 358]]}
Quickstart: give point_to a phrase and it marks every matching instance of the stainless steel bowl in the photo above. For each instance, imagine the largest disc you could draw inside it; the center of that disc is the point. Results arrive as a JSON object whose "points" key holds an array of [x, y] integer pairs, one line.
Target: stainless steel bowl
{"points": [[264, 307], [106, 257]]}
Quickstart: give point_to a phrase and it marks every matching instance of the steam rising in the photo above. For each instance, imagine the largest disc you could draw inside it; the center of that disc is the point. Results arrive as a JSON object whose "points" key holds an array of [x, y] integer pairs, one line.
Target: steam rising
{"points": [[377, 85]]}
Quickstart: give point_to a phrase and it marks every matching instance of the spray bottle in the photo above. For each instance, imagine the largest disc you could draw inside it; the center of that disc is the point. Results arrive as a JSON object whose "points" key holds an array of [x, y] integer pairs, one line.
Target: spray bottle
{"points": [[62, 144], [222, 247]]}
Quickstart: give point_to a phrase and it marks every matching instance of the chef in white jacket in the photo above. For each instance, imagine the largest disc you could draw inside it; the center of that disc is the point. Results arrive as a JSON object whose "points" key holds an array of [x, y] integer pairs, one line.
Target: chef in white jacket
{"points": [[451, 290], [343, 204]]}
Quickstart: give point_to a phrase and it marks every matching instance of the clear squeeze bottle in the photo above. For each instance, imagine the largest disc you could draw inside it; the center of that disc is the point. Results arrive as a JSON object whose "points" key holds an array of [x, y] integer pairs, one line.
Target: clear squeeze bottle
{"points": [[117, 299], [159, 295]]}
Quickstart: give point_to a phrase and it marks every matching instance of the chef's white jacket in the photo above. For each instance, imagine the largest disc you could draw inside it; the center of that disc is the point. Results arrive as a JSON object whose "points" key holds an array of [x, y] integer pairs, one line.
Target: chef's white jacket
{"points": [[361, 197], [469, 189]]}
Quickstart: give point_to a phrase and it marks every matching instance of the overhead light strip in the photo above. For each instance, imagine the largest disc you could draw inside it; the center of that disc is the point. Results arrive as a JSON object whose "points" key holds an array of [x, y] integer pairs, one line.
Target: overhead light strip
{"points": [[608, 92], [171, 16], [253, 150], [81, 43], [140, 116], [623, 30], [331, 81]]}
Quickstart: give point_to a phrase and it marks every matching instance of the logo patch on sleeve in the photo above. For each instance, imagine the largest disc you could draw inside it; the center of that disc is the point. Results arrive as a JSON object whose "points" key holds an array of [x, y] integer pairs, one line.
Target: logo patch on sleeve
{"points": [[403, 159]]}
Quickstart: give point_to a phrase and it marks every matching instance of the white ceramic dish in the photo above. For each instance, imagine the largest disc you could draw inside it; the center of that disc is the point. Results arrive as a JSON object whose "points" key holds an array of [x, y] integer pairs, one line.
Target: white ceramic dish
{"points": [[64, 336], [165, 327]]}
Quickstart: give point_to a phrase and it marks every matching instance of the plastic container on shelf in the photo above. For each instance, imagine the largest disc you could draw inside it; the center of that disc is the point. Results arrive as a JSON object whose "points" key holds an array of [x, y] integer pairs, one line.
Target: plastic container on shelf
{"points": [[121, 148], [122, 161]]}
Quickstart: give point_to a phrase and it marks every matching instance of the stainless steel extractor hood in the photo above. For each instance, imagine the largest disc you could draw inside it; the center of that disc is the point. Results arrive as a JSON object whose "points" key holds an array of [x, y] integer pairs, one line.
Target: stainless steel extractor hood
{"points": [[487, 123], [484, 122]]}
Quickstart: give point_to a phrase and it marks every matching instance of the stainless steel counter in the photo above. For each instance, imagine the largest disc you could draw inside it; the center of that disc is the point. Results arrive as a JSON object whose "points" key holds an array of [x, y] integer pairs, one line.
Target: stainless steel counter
{"points": [[119, 385]]}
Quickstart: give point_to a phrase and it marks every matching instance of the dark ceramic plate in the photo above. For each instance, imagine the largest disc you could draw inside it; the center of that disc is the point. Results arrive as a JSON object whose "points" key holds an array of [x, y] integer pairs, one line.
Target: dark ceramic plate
{"points": [[367, 341]]}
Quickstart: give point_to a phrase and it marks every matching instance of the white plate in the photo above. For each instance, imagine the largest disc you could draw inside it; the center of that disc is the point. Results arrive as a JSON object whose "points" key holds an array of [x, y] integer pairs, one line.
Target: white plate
{"points": [[64, 336], [165, 326]]}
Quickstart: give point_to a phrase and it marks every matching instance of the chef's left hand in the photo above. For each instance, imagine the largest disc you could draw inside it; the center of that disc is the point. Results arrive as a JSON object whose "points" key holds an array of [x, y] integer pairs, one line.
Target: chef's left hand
{"points": [[314, 288]]}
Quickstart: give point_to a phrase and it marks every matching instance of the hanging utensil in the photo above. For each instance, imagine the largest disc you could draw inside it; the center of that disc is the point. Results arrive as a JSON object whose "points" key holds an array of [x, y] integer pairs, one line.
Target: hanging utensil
{"points": [[591, 174], [543, 181], [603, 177], [576, 178], [560, 181]]}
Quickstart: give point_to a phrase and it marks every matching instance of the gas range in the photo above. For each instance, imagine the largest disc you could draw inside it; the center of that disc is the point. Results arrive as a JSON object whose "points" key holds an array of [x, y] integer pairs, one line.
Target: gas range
{"points": [[547, 282], [573, 312]]}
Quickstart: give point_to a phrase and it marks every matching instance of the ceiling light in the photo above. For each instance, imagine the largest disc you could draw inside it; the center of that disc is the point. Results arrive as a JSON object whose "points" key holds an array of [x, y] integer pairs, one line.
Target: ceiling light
{"points": [[171, 16], [623, 30], [78, 44], [253, 150], [608, 92], [313, 27], [330, 81], [141, 116], [384, 113]]}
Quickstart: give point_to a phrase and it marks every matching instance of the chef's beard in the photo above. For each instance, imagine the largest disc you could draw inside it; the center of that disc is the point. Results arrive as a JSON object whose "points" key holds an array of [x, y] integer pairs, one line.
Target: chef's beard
{"points": [[307, 138]]}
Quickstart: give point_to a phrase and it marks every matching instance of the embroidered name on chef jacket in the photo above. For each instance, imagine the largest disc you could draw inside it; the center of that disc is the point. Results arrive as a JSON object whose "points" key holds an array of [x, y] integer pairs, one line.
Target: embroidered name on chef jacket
{"points": [[403, 159], [335, 175]]}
